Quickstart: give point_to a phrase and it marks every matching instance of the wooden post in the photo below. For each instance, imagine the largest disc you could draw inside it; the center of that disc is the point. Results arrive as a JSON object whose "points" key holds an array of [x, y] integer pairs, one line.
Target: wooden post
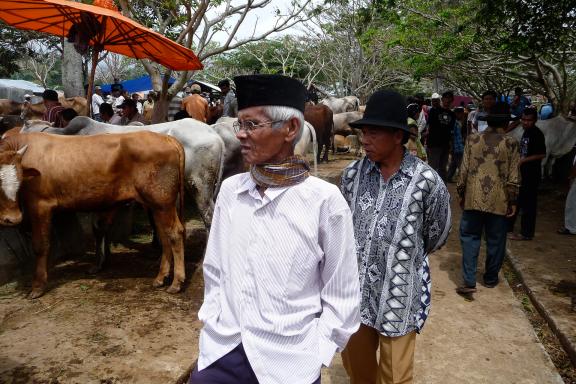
{"points": [[95, 54]]}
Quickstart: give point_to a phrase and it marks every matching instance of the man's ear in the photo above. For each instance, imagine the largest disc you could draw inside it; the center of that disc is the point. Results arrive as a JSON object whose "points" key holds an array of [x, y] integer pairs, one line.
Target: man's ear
{"points": [[293, 129], [29, 173]]}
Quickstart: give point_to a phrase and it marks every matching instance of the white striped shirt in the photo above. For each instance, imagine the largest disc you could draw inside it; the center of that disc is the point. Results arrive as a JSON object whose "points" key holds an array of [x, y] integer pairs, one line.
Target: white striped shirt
{"points": [[281, 277]]}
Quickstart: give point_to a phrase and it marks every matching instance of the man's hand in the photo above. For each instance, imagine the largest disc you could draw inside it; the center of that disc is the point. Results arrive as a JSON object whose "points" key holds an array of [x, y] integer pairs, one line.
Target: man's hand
{"points": [[511, 211]]}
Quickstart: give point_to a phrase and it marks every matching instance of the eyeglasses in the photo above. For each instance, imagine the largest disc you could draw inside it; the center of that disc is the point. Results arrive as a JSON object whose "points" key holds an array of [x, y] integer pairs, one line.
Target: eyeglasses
{"points": [[250, 126]]}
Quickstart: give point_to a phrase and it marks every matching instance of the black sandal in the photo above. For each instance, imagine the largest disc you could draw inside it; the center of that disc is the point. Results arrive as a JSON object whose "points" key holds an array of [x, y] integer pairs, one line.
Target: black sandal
{"points": [[565, 231]]}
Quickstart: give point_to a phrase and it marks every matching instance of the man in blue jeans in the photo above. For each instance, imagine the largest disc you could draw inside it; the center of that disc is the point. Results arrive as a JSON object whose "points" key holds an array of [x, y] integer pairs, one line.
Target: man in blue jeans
{"points": [[488, 189]]}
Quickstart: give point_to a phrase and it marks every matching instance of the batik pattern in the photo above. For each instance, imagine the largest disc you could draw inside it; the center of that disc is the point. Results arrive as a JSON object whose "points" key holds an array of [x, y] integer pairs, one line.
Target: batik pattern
{"points": [[397, 224]]}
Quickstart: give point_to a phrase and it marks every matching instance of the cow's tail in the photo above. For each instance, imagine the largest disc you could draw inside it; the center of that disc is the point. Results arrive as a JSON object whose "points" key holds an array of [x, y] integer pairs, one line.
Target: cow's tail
{"points": [[181, 179]]}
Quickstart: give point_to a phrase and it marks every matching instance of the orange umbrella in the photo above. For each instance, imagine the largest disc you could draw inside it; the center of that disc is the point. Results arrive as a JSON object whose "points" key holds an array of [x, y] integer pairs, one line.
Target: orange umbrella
{"points": [[101, 26]]}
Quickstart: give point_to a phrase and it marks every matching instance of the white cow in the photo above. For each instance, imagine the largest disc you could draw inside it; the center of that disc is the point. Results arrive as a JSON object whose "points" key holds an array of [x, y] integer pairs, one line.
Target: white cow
{"points": [[342, 121], [342, 104], [560, 135], [233, 163], [203, 149]]}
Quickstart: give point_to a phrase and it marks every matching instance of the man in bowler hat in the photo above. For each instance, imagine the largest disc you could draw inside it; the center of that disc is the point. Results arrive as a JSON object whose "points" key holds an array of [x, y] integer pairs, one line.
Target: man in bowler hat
{"points": [[281, 280], [401, 212]]}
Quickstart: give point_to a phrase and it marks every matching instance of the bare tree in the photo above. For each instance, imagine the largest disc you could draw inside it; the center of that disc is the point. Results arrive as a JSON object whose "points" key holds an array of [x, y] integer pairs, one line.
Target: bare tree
{"points": [[195, 24], [42, 62]]}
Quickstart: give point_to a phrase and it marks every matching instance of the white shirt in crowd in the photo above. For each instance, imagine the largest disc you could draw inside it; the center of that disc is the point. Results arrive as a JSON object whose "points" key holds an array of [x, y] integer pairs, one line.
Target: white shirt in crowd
{"points": [[281, 277], [118, 101], [96, 101]]}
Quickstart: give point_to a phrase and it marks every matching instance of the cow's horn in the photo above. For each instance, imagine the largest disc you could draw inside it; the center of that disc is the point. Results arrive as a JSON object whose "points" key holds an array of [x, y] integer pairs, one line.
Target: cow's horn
{"points": [[22, 150]]}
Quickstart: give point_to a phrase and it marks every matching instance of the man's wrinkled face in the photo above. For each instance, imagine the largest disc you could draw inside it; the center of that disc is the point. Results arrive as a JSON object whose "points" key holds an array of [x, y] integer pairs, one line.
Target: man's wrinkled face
{"points": [[264, 143], [380, 142]]}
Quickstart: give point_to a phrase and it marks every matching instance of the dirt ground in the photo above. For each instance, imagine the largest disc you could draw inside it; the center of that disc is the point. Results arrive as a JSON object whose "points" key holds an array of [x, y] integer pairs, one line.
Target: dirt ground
{"points": [[109, 328], [116, 328]]}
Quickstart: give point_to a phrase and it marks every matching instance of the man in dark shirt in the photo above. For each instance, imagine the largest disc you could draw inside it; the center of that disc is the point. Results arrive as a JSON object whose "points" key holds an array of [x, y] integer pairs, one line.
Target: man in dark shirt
{"points": [[532, 151], [440, 124]]}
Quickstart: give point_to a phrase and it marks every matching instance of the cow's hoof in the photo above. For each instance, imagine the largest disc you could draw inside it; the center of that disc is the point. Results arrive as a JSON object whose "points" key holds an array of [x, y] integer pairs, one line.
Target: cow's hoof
{"points": [[158, 283], [36, 293], [173, 289]]}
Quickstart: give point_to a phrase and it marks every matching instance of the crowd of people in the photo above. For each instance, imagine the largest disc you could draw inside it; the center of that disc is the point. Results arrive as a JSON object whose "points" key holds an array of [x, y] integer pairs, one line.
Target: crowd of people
{"points": [[120, 108]]}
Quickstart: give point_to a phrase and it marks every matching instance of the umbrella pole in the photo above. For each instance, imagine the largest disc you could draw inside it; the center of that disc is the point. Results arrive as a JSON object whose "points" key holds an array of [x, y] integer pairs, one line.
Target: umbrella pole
{"points": [[95, 53]]}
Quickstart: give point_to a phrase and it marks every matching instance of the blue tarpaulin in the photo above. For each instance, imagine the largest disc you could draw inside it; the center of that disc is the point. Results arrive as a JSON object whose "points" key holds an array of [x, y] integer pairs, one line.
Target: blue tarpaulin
{"points": [[139, 84]]}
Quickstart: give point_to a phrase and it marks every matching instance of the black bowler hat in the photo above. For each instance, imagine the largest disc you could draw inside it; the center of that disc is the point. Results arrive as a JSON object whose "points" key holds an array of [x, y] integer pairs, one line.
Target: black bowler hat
{"points": [[263, 90], [385, 108]]}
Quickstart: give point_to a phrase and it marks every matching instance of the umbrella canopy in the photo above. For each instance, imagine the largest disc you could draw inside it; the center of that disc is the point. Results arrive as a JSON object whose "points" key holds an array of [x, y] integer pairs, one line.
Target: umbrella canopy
{"points": [[101, 26], [104, 28]]}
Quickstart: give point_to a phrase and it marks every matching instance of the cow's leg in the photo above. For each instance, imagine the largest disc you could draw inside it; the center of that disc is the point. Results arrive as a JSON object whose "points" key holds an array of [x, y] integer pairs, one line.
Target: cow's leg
{"points": [[41, 223], [101, 228], [319, 153], [203, 192], [171, 233]]}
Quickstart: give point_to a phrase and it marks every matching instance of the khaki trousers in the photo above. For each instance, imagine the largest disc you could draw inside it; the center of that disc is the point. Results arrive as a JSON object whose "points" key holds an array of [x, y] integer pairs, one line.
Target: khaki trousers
{"points": [[396, 357]]}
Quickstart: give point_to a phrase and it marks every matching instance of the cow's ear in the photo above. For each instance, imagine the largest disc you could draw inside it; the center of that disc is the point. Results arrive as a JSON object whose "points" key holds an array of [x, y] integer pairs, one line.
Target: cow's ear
{"points": [[29, 173]]}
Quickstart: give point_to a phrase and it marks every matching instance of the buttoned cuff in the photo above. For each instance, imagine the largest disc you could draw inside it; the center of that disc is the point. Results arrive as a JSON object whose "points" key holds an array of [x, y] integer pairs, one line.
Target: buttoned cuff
{"points": [[327, 350]]}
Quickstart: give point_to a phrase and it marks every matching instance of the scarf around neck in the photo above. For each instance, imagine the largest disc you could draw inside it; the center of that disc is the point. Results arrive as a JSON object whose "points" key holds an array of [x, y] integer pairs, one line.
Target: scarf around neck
{"points": [[290, 171]]}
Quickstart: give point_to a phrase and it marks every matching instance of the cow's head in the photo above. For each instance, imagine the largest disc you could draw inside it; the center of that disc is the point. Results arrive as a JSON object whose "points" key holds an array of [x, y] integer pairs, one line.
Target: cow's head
{"points": [[11, 176]]}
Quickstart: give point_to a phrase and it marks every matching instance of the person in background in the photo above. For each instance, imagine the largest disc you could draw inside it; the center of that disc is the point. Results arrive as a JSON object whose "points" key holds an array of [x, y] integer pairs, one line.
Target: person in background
{"points": [[401, 213], [488, 100], [97, 100], [230, 104], [26, 106], [570, 209], [130, 113], [472, 110], [148, 108], [532, 151], [117, 99], [546, 111], [67, 115], [175, 106], [457, 144], [108, 116], [441, 122], [487, 188], [136, 98], [281, 292], [53, 113], [195, 105]]}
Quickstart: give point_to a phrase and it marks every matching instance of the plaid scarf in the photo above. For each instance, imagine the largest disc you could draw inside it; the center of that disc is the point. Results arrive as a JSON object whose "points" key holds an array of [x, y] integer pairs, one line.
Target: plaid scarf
{"points": [[291, 171]]}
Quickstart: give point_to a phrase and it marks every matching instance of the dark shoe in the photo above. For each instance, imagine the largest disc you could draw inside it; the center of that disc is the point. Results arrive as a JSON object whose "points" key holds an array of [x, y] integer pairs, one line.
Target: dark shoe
{"points": [[490, 285], [464, 290], [565, 231]]}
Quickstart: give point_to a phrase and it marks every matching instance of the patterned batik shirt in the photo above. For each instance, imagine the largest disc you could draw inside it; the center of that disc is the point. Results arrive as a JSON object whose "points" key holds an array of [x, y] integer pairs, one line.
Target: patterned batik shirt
{"points": [[397, 223], [489, 175]]}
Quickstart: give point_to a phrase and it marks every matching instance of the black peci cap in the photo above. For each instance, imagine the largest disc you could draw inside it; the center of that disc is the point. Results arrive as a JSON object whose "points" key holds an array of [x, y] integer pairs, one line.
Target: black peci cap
{"points": [[263, 90]]}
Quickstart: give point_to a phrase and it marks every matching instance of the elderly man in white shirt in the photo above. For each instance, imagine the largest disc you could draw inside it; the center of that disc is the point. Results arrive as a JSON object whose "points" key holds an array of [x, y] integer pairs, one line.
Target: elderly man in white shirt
{"points": [[281, 276]]}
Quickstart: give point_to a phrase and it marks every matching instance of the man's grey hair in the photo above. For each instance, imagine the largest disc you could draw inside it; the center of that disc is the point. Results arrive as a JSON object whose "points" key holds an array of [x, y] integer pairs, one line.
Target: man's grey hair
{"points": [[278, 112]]}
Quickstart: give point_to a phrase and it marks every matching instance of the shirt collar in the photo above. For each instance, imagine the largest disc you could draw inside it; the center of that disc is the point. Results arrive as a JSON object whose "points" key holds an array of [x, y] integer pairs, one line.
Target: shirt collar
{"points": [[407, 166], [248, 185]]}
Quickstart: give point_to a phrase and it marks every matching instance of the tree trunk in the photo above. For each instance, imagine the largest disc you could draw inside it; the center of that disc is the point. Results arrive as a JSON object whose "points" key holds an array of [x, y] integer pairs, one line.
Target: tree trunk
{"points": [[72, 76], [160, 111]]}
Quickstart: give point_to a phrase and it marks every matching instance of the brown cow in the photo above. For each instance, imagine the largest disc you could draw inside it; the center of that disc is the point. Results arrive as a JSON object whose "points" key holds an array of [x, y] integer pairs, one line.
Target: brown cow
{"points": [[48, 173], [320, 116], [36, 111]]}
